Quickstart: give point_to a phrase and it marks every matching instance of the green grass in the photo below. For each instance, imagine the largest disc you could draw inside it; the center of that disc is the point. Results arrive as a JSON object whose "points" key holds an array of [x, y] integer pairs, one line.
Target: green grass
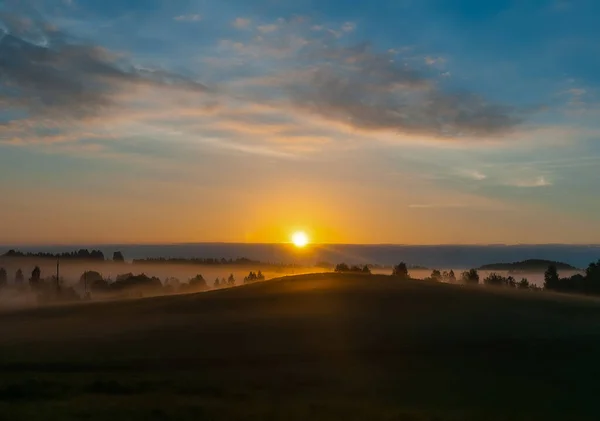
{"points": [[312, 347]]}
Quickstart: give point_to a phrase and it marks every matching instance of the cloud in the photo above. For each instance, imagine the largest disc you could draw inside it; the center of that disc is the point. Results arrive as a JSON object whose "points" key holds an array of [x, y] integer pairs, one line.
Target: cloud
{"points": [[188, 18], [43, 73], [430, 61], [540, 181], [349, 27], [474, 174], [369, 90], [437, 206], [241, 23], [266, 29]]}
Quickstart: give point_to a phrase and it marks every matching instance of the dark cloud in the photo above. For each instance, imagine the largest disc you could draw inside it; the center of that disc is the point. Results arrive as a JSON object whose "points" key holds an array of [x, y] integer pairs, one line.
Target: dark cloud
{"points": [[371, 91], [44, 71]]}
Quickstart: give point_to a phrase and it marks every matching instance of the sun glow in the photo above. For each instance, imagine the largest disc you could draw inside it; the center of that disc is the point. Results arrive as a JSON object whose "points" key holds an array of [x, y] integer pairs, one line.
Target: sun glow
{"points": [[300, 239]]}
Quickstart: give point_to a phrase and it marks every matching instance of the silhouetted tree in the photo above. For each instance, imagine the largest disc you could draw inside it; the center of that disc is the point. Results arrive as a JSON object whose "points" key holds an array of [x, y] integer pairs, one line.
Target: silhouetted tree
{"points": [[366, 270], [19, 277], [592, 278], [551, 279], [231, 280], [451, 276], [118, 257], [36, 277], [401, 270], [3, 278], [470, 277], [198, 283], [137, 283], [260, 276], [88, 278], [436, 275], [523, 284], [217, 283], [511, 282], [493, 279], [342, 267]]}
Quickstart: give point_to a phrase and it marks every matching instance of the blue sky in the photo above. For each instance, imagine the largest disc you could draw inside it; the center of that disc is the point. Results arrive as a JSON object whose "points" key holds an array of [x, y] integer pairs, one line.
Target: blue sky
{"points": [[404, 121]]}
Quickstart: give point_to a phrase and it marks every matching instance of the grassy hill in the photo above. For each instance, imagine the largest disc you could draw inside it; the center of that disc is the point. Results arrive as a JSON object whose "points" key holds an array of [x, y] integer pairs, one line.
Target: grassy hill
{"points": [[318, 347], [531, 265]]}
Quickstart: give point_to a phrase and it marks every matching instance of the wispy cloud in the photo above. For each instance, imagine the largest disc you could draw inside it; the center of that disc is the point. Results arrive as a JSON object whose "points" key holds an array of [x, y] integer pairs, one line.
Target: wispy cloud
{"points": [[332, 89], [241, 23], [473, 174], [540, 181], [72, 79], [188, 18], [438, 206]]}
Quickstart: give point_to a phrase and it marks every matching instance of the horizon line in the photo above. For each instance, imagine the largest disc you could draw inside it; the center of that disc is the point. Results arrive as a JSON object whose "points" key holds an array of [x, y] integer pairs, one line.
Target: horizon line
{"points": [[88, 244]]}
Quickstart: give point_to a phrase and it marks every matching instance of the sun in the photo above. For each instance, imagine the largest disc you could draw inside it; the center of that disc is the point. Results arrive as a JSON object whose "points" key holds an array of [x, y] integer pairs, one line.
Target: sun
{"points": [[300, 239]]}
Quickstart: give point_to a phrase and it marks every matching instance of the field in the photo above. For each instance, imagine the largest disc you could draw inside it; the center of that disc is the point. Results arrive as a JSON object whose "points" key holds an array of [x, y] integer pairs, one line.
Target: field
{"points": [[310, 347]]}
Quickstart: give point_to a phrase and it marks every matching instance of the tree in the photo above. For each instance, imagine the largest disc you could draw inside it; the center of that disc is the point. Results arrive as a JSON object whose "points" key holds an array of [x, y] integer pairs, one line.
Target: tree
{"points": [[551, 279], [451, 276], [19, 277], [523, 284], [436, 275], [401, 270], [494, 279], [88, 277], [260, 276], [592, 278], [216, 284], [231, 280], [470, 277], [198, 283], [3, 278], [366, 270], [342, 267], [118, 257], [36, 277]]}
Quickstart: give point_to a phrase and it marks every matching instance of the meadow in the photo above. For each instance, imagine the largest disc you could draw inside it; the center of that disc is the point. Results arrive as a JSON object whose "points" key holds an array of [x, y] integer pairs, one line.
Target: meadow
{"points": [[318, 346]]}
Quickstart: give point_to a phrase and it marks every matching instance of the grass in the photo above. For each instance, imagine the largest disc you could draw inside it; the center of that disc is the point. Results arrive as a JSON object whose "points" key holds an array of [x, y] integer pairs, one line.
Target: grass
{"points": [[318, 347]]}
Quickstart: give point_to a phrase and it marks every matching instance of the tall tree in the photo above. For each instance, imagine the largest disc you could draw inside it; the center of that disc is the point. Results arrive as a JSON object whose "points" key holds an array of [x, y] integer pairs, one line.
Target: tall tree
{"points": [[551, 278], [36, 277], [401, 270], [470, 277], [3, 277], [118, 257]]}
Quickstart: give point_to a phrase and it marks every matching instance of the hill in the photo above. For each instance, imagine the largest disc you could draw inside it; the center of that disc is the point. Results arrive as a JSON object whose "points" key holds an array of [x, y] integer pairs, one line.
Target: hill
{"points": [[531, 265], [319, 347]]}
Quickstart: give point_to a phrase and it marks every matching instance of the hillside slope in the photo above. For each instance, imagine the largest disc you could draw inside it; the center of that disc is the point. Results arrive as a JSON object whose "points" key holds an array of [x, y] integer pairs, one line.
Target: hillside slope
{"points": [[322, 347]]}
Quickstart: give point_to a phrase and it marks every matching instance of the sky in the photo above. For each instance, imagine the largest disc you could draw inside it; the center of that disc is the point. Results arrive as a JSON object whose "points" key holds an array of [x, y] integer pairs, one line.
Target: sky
{"points": [[389, 121]]}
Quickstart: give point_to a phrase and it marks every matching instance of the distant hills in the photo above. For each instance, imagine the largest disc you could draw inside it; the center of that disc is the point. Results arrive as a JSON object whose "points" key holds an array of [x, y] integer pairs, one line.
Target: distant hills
{"points": [[531, 265]]}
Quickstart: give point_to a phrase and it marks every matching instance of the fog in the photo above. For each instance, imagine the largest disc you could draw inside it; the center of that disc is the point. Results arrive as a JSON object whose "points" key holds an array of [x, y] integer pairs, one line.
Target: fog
{"points": [[72, 270]]}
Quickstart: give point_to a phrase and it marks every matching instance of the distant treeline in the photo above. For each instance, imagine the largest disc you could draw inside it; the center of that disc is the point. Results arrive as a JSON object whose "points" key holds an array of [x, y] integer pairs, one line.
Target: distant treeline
{"points": [[82, 254], [210, 261]]}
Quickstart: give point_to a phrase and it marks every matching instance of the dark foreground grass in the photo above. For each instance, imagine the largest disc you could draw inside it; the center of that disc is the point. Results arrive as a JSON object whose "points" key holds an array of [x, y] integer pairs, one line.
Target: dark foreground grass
{"points": [[314, 347]]}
